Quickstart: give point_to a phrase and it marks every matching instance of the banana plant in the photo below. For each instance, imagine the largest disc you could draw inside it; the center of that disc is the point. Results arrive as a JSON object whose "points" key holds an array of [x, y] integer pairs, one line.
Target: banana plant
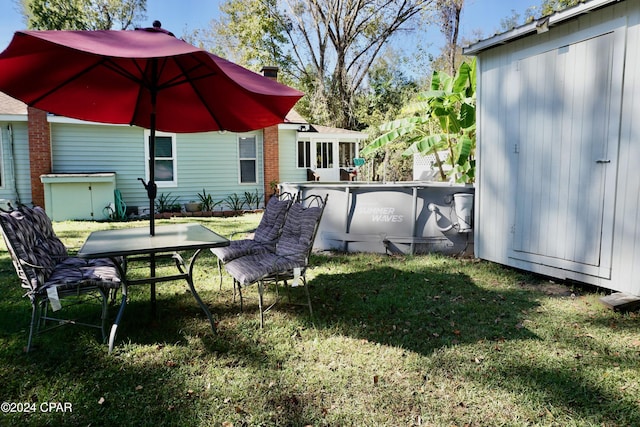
{"points": [[443, 118]]}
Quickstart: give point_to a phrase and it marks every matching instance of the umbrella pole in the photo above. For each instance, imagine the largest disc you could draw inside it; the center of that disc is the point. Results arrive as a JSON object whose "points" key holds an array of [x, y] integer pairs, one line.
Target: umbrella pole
{"points": [[151, 191], [152, 184]]}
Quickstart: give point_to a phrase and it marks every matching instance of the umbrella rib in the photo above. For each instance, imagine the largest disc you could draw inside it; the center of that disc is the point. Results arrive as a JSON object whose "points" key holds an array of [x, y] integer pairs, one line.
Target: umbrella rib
{"points": [[65, 82], [175, 81], [197, 92]]}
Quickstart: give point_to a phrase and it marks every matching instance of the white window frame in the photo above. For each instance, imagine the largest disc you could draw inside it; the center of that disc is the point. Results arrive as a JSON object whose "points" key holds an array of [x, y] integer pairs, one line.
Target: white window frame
{"points": [[174, 158], [310, 145], [255, 159]]}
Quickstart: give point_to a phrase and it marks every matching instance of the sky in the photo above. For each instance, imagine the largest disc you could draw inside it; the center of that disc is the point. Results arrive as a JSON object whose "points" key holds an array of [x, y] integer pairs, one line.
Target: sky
{"points": [[184, 16]]}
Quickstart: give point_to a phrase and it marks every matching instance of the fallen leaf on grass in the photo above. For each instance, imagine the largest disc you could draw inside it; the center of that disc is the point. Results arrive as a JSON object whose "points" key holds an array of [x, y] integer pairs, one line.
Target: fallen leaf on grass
{"points": [[139, 387]]}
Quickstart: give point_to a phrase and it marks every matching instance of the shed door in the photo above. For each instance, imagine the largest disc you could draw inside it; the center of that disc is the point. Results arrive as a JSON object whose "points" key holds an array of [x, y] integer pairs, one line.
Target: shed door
{"points": [[568, 126]]}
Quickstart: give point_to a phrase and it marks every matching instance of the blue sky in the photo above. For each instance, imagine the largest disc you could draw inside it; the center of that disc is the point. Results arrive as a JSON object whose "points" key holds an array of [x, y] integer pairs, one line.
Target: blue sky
{"points": [[180, 16]]}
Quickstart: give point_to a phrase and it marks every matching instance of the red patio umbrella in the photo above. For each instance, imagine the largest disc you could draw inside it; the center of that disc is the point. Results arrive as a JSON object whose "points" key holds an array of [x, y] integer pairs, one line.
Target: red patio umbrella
{"points": [[146, 78]]}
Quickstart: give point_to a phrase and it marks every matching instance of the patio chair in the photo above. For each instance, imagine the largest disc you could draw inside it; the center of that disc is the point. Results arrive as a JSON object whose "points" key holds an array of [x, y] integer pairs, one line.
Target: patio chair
{"points": [[289, 260], [264, 236], [49, 274]]}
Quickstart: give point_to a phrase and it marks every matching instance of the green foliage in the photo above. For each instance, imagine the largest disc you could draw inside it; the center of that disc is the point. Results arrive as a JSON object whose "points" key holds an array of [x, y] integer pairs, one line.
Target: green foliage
{"points": [[442, 118], [167, 203], [252, 199], [234, 202], [251, 33], [83, 14], [389, 89], [326, 47], [550, 6], [207, 203]]}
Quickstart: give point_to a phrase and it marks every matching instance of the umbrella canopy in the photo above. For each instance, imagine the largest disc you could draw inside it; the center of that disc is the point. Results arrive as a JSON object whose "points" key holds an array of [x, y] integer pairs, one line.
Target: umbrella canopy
{"points": [[146, 78]]}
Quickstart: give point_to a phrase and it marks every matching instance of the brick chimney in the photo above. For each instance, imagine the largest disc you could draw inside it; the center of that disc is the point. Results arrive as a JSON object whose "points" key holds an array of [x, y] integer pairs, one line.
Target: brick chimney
{"points": [[39, 152], [271, 159]]}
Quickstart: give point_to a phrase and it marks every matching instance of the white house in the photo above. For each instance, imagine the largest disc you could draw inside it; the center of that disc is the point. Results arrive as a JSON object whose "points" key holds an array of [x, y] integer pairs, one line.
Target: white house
{"points": [[558, 188]]}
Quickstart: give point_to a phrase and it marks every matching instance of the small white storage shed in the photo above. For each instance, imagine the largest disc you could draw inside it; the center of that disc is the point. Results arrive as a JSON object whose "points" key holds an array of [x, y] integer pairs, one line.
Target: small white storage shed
{"points": [[558, 189]]}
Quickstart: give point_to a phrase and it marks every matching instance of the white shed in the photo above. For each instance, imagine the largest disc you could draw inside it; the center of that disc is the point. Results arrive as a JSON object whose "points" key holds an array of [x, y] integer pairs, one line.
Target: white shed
{"points": [[558, 188]]}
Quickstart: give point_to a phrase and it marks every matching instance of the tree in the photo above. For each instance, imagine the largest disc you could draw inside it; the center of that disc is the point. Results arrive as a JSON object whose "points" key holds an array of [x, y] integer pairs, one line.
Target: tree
{"points": [[442, 119], [330, 44], [450, 11], [249, 34], [340, 40], [83, 14], [550, 6], [387, 90]]}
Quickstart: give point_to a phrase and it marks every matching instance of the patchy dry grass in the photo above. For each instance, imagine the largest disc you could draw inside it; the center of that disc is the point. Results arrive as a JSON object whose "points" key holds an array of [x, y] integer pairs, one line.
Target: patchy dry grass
{"points": [[417, 340]]}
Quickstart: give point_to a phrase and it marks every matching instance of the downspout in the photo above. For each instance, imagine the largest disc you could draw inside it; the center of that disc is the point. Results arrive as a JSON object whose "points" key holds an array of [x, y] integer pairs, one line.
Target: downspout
{"points": [[12, 151]]}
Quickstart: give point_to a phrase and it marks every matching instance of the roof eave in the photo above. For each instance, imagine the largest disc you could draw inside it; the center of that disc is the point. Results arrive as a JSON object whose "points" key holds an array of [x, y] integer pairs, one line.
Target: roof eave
{"points": [[541, 25], [13, 118]]}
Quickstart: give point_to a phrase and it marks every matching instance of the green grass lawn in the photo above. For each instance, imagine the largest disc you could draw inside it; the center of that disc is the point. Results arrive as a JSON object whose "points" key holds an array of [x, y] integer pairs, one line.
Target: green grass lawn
{"points": [[396, 340]]}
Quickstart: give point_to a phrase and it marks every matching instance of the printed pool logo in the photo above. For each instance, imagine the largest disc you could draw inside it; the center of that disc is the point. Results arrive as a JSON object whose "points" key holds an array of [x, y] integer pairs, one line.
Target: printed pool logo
{"points": [[381, 214]]}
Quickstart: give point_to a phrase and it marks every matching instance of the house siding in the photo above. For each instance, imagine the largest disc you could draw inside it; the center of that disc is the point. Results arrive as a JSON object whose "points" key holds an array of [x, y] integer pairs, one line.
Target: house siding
{"points": [[204, 160], [16, 174], [289, 171], [513, 113]]}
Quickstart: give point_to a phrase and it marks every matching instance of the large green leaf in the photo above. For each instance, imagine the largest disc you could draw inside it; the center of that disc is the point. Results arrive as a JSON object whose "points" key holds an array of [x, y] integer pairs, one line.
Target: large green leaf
{"points": [[462, 78], [467, 115], [426, 145], [449, 121], [394, 130], [464, 148]]}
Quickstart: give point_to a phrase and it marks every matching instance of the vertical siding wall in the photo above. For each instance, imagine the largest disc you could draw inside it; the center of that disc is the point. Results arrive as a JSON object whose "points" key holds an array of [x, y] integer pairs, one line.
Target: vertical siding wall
{"points": [[289, 172], [510, 116], [626, 245], [16, 181]]}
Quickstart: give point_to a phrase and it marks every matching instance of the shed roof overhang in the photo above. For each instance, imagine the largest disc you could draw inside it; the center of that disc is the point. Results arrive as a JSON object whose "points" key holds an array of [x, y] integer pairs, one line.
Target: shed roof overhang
{"points": [[539, 26]]}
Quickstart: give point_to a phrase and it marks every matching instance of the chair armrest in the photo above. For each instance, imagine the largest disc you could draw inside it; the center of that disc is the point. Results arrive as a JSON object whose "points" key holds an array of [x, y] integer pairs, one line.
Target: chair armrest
{"points": [[235, 233]]}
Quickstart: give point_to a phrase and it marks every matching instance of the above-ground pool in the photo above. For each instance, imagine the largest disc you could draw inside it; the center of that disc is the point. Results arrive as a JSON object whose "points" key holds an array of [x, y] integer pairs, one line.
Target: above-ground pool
{"points": [[404, 217]]}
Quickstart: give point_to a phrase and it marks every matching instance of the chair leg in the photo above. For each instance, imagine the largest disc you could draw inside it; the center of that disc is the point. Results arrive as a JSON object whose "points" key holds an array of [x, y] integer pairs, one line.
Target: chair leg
{"points": [[220, 274], [43, 314], [260, 302], [238, 287], [306, 289], [104, 297], [35, 318], [116, 322]]}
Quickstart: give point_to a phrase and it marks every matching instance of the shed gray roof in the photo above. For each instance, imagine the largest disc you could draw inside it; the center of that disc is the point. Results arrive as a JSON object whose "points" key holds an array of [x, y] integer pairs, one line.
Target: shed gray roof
{"points": [[540, 25]]}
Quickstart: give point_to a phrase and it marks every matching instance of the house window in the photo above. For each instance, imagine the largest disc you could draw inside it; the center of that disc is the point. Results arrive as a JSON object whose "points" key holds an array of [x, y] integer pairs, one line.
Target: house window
{"points": [[248, 159], [165, 159], [347, 152], [324, 155], [304, 154]]}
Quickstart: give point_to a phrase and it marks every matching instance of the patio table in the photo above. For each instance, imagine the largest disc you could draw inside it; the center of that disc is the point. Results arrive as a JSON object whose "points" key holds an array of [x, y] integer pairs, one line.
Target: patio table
{"points": [[136, 244]]}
